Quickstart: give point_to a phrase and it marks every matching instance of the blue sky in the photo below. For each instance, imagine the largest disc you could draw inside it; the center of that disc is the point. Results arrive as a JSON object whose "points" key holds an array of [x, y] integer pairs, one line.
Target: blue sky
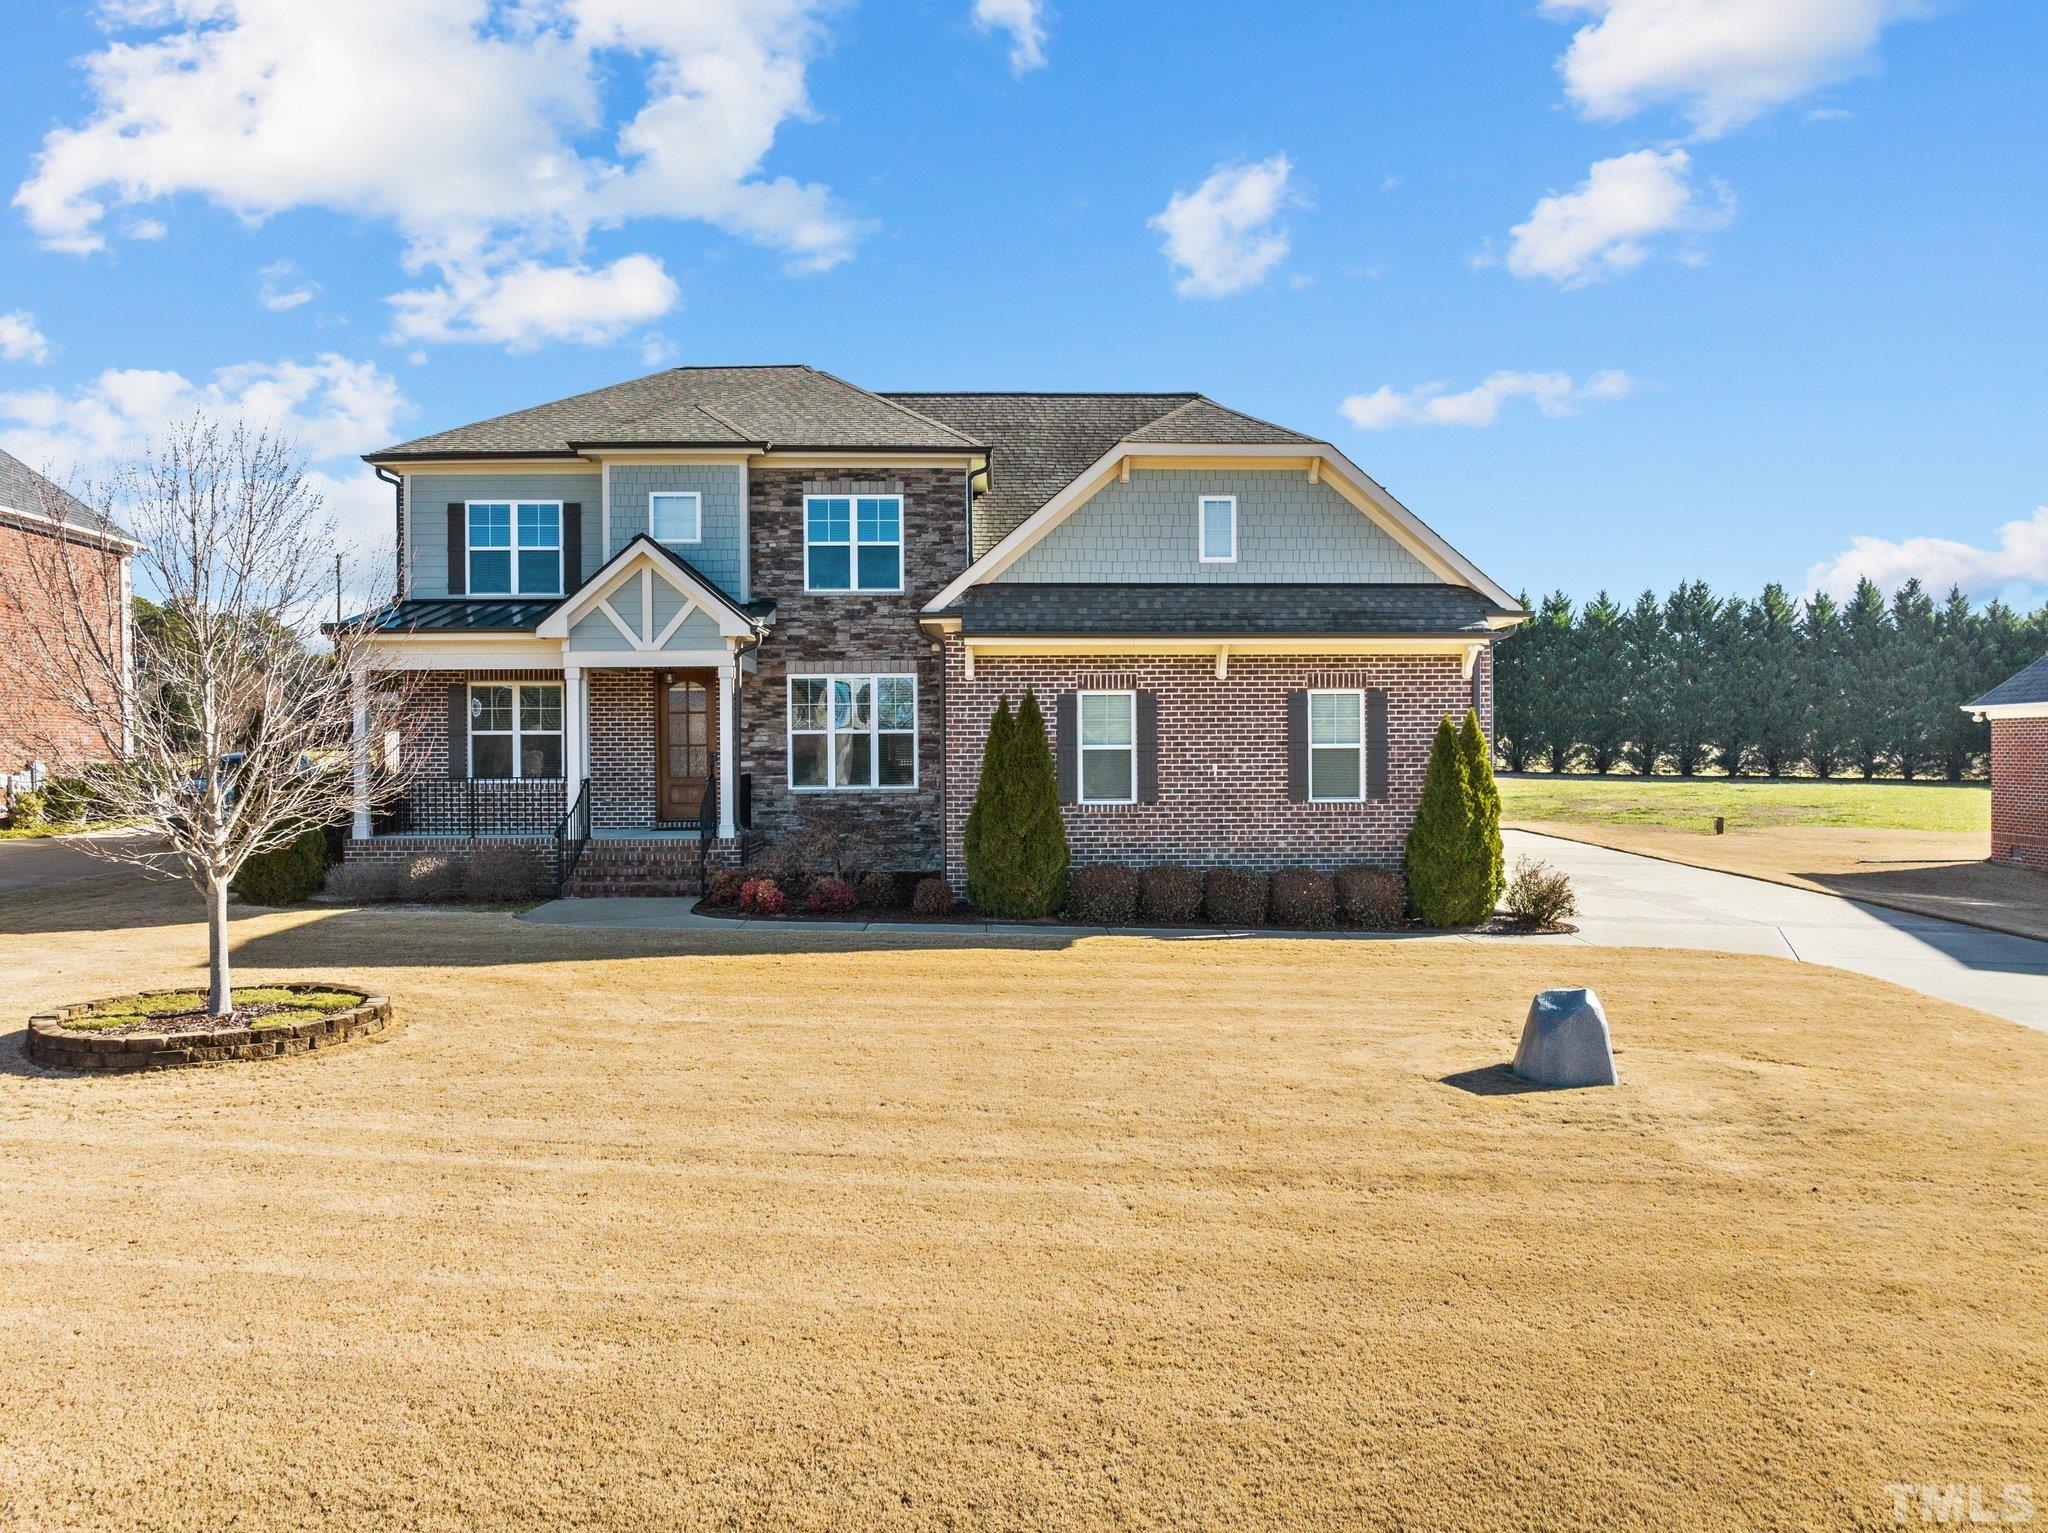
{"points": [[1613, 292]]}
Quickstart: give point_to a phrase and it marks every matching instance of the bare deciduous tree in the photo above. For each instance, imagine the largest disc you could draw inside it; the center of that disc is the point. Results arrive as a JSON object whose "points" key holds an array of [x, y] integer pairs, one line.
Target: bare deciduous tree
{"points": [[225, 723]]}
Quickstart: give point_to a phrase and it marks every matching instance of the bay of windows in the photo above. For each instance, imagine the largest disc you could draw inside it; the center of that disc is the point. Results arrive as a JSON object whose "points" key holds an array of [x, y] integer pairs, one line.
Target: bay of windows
{"points": [[515, 548], [853, 542], [853, 731], [515, 729]]}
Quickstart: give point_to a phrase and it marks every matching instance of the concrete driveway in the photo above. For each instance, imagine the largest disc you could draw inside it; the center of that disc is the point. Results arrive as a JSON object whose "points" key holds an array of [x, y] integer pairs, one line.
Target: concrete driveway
{"points": [[52, 862], [1631, 901]]}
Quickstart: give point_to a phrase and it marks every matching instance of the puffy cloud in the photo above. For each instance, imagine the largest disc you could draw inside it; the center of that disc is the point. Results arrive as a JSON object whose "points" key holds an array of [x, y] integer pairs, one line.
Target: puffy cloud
{"points": [[1024, 21], [1722, 63], [2020, 558], [1432, 404], [526, 305], [280, 287], [1225, 235], [1605, 224], [20, 340]]}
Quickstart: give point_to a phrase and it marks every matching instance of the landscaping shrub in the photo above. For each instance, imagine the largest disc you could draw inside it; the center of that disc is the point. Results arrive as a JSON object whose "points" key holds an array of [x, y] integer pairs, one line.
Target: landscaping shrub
{"points": [[285, 875], [364, 883], [505, 874], [1234, 897], [1371, 898], [28, 810], [725, 886], [934, 897], [71, 798], [1541, 895], [1448, 883], [1484, 851], [431, 878], [1303, 897], [1103, 895], [830, 897], [763, 897], [1169, 894], [880, 891], [832, 841], [1016, 845]]}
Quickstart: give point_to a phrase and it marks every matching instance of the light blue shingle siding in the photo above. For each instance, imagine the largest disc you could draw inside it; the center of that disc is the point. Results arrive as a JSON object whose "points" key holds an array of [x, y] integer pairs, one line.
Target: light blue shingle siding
{"points": [[724, 491], [595, 631], [428, 495], [1288, 530]]}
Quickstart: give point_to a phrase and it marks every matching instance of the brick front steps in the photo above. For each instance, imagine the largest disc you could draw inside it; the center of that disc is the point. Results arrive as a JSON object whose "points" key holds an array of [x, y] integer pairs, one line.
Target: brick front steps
{"points": [[49, 1043], [618, 869]]}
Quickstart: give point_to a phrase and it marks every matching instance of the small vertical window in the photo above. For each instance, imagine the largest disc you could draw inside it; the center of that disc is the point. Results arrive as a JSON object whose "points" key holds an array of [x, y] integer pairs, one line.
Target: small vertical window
{"points": [[1109, 747], [1218, 516], [1336, 747], [676, 516]]}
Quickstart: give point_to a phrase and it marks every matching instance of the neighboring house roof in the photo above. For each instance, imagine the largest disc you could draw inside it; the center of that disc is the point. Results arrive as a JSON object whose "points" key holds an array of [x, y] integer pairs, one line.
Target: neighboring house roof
{"points": [[2029, 686], [1021, 609], [24, 490], [745, 408], [1039, 443]]}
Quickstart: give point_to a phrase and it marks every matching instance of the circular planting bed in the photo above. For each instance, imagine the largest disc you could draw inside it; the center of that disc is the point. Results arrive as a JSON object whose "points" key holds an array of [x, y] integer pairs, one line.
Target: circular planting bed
{"points": [[163, 1028]]}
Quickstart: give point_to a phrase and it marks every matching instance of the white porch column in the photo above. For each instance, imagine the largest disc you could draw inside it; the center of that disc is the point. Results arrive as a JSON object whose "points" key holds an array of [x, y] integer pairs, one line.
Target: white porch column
{"points": [[359, 750], [575, 732], [728, 749]]}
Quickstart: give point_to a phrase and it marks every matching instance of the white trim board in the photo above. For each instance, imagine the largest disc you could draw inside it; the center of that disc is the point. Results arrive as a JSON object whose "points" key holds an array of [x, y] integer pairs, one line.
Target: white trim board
{"points": [[644, 553]]}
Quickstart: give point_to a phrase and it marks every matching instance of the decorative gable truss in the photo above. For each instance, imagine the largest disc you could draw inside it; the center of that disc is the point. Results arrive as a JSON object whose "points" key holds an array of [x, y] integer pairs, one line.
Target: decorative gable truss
{"points": [[647, 603]]}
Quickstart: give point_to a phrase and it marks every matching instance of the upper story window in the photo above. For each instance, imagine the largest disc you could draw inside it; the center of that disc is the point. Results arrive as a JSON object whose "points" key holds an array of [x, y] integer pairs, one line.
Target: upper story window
{"points": [[853, 542], [853, 731], [1336, 747], [1109, 747], [1218, 517], [515, 730], [676, 516], [515, 548]]}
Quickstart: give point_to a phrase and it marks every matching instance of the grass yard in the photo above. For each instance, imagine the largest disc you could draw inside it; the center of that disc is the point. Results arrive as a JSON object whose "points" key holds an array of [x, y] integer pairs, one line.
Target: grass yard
{"points": [[1749, 803], [640, 1230]]}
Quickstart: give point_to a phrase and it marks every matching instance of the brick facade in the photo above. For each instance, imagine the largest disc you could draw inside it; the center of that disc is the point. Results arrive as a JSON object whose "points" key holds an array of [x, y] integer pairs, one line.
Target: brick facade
{"points": [[2019, 791], [37, 722], [1222, 755]]}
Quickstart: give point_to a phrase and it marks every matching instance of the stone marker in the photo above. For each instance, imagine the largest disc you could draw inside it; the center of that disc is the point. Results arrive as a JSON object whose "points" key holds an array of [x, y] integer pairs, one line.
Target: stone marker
{"points": [[1565, 1041]]}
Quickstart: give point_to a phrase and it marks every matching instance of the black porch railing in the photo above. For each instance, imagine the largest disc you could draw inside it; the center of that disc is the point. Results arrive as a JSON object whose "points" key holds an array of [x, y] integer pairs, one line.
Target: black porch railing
{"points": [[475, 807], [572, 836]]}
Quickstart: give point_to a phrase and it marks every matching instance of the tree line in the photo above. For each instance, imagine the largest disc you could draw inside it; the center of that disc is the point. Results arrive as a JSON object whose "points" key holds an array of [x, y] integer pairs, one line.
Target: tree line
{"points": [[1700, 682]]}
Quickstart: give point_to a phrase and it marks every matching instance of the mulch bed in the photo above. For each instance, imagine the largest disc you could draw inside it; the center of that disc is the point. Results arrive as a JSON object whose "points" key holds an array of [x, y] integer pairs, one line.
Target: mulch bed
{"points": [[1502, 925], [175, 1022]]}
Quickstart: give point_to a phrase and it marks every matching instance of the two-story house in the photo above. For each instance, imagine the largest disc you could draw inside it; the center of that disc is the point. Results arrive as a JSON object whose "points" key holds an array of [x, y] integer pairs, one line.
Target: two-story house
{"points": [[719, 600]]}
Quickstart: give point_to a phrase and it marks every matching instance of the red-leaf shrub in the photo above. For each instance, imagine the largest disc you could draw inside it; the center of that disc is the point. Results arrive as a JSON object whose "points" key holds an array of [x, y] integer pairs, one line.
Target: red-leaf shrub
{"points": [[1103, 895], [933, 898], [1372, 898], [1169, 894], [1234, 897], [1303, 897], [830, 897], [725, 886], [762, 897]]}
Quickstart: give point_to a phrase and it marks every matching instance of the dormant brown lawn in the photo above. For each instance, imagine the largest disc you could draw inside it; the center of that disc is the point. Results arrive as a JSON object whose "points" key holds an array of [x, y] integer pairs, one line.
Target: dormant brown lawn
{"points": [[632, 1231]]}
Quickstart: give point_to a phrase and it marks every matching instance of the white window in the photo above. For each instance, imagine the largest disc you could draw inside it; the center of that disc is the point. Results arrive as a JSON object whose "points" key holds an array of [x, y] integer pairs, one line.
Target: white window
{"points": [[1336, 747], [1109, 747], [1218, 516], [853, 731], [853, 542], [515, 548], [515, 729], [676, 516]]}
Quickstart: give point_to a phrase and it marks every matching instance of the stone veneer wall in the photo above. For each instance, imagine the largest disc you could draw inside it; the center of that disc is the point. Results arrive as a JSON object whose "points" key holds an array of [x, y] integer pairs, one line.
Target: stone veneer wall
{"points": [[2019, 791], [1222, 755], [852, 632]]}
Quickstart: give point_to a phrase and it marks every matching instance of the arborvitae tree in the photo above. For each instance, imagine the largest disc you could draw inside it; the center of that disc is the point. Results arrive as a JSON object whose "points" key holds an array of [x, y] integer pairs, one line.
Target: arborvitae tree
{"points": [[1776, 696], [1552, 727], [1867, 643], [1513, 695], [1826, 683], [1016, 846], [989, 792], [1483, 848], [1445, 885], [1646, 682], [1688, 623], [1909, 677], [1596, 684], [1954, 739], [1732, 674]]}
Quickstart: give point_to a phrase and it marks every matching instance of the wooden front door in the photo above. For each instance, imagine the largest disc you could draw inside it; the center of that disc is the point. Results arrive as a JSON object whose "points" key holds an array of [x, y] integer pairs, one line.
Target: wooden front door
{"points": [[686, 742]]}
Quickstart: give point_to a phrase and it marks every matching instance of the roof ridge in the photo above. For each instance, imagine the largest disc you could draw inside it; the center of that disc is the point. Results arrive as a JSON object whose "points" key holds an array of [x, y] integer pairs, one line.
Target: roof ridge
{"points": [[1181, 394], [952, 431]]}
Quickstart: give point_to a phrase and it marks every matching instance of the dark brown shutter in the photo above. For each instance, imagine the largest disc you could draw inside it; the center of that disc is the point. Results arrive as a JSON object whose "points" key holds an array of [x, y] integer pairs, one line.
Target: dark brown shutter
{"points": [[1148, 747], [572, 546], [458, 548], [1066, 746], [458, 730], [1376, 743], [1297, 747], [1475, 689]]}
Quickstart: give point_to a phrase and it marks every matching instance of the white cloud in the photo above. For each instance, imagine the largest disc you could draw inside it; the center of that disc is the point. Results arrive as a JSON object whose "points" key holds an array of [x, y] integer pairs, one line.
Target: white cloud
{"points": [[529, 304], [2020, 558], [145, 229], [1722, 63], [480, 131], [20, 340], [1432, 404], [280, 287], [1605, 224], [1024, 21], [1225, 235]]}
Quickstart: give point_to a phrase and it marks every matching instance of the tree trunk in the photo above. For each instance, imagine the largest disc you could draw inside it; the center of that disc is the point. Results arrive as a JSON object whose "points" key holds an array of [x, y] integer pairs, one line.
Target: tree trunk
{"points": [[220, 1000]]}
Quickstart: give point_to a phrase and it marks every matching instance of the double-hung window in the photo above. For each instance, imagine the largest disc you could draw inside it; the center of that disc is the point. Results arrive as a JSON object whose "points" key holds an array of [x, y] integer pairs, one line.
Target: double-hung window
{"points": [[853, 731], [853, 542], [1336, 747], [515, 729], [515, 548], [1217, 516], [676, 516], [1109, 747]]}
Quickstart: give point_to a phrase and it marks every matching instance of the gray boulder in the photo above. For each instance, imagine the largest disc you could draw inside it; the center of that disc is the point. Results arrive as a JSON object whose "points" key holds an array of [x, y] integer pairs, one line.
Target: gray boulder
{"points": [[1565, 1041]]}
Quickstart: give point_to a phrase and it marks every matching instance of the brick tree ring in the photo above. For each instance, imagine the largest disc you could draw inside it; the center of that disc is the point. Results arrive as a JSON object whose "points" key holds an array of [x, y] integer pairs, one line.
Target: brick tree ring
{"points": [[55, 1041]]}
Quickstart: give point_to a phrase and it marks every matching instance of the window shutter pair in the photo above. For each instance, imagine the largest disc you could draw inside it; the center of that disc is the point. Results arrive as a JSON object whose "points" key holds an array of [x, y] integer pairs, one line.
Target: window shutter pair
{"points": [[1066, 746], [458, 730], [1375, 745]]}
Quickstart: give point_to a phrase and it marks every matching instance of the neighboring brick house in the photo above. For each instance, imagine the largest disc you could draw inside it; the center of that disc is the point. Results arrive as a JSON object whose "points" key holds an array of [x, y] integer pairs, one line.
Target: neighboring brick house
{"points": [[52, 546], [2018, 710], [731, 602]]}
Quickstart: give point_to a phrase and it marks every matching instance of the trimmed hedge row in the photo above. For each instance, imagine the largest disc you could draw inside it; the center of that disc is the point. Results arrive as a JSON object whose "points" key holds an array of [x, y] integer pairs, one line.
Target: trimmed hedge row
{"points": [[1110, 894]]}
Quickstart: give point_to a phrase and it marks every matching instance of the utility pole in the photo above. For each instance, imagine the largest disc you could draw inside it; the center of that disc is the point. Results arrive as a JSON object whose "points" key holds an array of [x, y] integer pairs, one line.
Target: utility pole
{"points": [[337, 590]]}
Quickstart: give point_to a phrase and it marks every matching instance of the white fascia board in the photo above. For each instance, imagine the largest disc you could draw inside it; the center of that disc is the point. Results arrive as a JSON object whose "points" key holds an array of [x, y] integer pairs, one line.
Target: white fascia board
{"points": [[1403, 525], [70, 532], [638, 554], [466, 652], [2007, 710]]}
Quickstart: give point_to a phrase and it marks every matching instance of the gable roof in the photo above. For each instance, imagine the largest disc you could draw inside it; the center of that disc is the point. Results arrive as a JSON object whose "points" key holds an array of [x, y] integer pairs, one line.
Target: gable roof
{"points": [[2030, 686], [24, 490], [744, 408], [1040, 443]]}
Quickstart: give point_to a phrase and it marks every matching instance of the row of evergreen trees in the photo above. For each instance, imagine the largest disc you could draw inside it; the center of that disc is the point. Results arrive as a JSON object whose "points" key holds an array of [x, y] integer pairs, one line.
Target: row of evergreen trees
{"points": [[1699, 682]]}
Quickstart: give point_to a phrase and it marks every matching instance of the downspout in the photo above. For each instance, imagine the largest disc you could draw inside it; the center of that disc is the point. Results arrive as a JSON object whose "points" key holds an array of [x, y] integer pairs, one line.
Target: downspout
{"points": [[398, 517]]}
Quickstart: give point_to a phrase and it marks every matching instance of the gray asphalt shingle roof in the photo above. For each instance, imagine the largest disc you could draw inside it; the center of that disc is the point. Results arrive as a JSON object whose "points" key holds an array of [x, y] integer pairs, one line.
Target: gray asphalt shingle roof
{"points": [[2029, 686], [1019, 609], [23, 489]]}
